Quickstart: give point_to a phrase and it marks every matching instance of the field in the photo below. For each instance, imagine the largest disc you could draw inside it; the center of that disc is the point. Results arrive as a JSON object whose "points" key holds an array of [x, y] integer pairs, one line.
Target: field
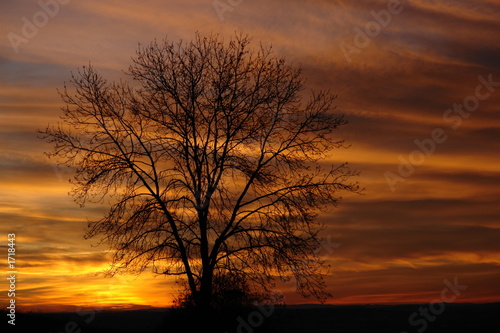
{"points": [[456, 318]]}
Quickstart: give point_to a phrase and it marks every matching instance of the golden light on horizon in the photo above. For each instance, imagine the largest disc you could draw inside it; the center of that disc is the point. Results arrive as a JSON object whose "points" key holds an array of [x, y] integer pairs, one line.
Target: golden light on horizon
{"points": [[396, 245]]}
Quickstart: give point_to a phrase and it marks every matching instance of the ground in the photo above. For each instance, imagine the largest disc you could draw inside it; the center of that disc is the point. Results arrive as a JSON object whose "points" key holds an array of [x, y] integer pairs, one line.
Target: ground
{"points": [[456, 318]]}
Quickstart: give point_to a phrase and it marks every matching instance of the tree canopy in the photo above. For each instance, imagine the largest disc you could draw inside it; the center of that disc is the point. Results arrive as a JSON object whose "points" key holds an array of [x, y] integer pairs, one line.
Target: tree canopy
{"points": [[213, 160]]}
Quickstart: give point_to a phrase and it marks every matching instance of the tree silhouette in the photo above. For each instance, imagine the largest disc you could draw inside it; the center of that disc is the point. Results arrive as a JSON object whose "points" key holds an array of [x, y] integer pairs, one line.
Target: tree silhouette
{"points": [[210, 166]]}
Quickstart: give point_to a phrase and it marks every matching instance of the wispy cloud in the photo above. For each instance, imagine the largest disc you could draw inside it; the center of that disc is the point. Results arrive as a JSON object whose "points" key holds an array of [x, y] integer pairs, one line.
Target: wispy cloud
{"points": [[396, 246]]}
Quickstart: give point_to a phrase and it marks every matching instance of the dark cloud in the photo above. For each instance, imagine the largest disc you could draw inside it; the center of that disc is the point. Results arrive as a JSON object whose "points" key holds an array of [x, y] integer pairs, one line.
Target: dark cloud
{"points": [[422, 285], [440, 223], [33, 74]]}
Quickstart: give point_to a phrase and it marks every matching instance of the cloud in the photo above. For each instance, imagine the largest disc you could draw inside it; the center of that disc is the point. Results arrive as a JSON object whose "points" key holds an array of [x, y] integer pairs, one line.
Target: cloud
{"points": [[396, 247], [419, 285]]}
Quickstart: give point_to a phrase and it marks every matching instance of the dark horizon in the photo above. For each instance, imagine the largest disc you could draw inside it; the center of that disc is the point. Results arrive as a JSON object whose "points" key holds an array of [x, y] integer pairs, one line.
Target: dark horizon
{"points": [[127, 308], [456, 317]]}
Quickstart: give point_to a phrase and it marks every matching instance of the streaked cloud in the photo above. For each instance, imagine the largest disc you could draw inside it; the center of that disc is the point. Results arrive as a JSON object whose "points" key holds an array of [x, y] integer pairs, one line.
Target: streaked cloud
{"points": [[440, 223]]}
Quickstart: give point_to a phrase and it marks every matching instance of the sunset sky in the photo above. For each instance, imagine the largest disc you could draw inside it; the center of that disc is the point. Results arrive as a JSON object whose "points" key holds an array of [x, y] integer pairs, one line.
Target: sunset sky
{"points": [[431, 208]]}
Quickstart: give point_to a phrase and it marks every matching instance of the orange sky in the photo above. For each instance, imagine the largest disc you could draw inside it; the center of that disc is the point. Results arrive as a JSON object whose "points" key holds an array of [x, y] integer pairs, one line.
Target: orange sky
{"points": [[394, 244]]}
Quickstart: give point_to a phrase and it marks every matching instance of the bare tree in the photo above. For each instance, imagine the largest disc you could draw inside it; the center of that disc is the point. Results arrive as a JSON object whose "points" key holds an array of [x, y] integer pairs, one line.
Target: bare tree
{"points": [[210, 167]]}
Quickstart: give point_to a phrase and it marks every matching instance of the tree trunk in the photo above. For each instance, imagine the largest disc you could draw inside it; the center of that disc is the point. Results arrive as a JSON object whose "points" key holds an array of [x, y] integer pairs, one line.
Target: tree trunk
{"points": [[205, 295]]}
